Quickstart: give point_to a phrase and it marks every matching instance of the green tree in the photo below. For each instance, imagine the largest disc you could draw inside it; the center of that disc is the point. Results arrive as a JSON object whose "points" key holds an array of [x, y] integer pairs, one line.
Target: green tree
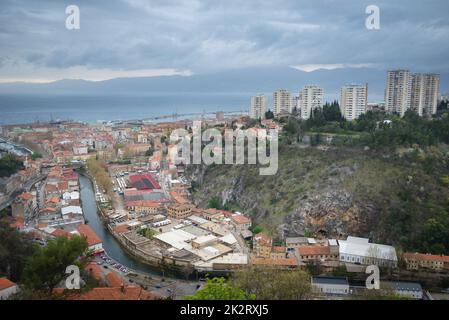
{"points": [[256, 229], [316, 119], [46, 268], [219, 289], [331, 112], [214, 202], [15, 248], [270, 283], [149, 152], [36, 155], [269, 114], [9, 165]]}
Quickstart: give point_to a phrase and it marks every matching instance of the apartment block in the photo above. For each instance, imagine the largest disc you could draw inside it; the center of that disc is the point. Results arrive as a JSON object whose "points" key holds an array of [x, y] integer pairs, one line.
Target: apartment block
{"points": [[258, 107], [310, 98], [425, 90], [282, 102], [398, 91], [353, 101], [418, 92]]}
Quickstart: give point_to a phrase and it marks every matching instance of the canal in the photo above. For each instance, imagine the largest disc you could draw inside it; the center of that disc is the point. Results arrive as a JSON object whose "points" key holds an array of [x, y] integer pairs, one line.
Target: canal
{"points": [[110, 244]]}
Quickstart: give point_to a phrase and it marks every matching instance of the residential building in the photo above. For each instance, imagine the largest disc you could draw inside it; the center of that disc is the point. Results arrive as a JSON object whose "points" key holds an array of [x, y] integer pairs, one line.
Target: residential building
{"points": [[258, 107], [240, 222], [330, 285], [279, 252], [294, 242], [425, 91], [144, 206], [94, 242], [179, 211], [7, 288], [359, 251], [310, 98], [417, 261], [262, 245], [406, 289], [316, 253], [24, 206], [398, 91], [282, 102], [353, 101]]}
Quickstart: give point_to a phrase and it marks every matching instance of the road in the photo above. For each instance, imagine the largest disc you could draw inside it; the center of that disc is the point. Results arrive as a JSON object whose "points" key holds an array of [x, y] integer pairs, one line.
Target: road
{"points": [[243, 248], [162, 286]]}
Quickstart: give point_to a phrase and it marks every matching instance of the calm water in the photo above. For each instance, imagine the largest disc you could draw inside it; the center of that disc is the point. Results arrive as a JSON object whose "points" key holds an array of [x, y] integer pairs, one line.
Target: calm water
{"points": [[110, 244], [90, 108]]}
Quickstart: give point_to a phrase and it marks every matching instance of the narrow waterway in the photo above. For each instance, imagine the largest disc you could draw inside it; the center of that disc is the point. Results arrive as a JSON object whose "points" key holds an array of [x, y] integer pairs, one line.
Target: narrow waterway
{"points": [[110, 244]]}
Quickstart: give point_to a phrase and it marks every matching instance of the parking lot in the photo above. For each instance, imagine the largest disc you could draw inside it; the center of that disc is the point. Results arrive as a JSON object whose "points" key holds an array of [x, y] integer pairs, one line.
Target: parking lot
{"points": [[106, 262]]}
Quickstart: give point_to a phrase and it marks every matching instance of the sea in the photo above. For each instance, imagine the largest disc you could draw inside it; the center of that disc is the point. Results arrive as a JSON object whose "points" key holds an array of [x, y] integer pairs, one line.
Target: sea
{"points": [[91, 108]]}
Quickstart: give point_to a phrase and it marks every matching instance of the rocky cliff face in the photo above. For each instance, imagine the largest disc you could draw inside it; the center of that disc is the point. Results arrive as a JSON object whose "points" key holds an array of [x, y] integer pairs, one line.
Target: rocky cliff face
{"points": [[335, 192]]}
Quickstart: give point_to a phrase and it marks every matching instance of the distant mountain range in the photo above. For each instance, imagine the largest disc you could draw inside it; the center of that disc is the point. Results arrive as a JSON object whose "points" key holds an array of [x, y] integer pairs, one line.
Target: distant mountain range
{"points": [[249, 80]]}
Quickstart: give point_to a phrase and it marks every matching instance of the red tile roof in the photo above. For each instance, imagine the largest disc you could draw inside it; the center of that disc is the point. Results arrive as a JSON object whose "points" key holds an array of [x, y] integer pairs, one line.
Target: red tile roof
{"points": [[114, 280], [240, 219], [26, 196], [17, 223], [279, 249], [426, 257], [122, 228], [94, 270], [288, 262], [313, 250], [143, 203], [52, 200], [118, 293], [178, 198], [61, 233], [49, 188], [48, 210], [144, 182], [5, 283], [63, 185], [263, 239], [92, 238]]}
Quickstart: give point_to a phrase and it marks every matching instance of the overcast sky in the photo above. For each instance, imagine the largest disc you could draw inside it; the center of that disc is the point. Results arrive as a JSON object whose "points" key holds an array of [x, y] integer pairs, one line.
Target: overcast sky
{"points": [[144, 38]]}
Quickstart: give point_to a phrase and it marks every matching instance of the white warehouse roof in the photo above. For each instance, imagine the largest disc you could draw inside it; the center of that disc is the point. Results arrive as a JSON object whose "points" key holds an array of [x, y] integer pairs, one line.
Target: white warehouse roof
{"points": [[176, 238], [197, 220], [205, 239], [229, 239], [71, 209], [361, 247]]}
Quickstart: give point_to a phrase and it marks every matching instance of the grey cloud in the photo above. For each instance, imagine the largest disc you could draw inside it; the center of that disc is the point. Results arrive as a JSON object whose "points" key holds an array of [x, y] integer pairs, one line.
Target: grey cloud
{"points": [[208, 35]]}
